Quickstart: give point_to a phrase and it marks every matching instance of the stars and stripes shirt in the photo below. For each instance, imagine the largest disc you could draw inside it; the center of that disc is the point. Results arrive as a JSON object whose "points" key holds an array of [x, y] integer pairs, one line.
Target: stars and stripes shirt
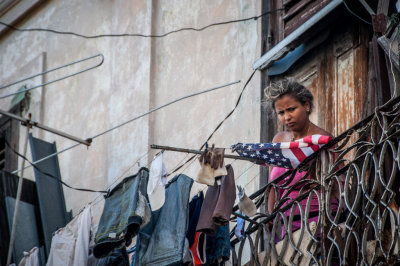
{"points": [[283, 154]]}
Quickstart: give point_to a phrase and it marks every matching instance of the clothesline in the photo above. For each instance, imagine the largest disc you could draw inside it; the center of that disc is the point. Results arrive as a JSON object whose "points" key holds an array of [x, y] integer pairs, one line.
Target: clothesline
{"points": [[129, 121]]}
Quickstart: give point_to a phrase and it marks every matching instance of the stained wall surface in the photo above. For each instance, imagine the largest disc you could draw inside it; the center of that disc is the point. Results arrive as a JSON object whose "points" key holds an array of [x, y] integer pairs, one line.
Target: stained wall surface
{"points": [[138, 74]]}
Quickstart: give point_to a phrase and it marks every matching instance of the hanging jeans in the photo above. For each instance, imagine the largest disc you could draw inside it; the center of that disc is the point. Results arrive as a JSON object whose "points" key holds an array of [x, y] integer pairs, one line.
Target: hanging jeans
{"points": [[121, 218], [162, 240]]}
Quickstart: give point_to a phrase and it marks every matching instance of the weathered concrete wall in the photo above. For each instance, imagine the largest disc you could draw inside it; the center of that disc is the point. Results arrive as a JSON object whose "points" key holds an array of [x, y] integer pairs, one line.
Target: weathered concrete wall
{"points": [[138, 74]]}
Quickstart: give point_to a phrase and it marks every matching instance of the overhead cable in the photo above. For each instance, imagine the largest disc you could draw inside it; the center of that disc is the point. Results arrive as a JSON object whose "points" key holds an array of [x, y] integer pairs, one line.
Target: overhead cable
{"points": [[137, 34], [219, 125], [131, 120], [47, 174]]}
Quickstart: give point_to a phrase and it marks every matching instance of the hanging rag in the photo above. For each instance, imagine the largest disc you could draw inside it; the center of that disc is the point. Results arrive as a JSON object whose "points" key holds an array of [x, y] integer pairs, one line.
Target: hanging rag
{"points": [[157, 181], [246, 205], [30, 258], [70, 244], [284, 154], [123, 214], [239, 230], [218, 204], [162, 240], [211, 165]]}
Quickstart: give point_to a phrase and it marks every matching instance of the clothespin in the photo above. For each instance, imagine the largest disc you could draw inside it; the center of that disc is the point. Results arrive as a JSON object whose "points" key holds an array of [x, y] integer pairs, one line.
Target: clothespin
{"points": [[107, 194]]}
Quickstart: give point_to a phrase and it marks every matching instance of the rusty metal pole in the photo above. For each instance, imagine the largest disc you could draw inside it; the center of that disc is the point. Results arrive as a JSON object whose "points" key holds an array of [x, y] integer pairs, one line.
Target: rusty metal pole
{"points": [[324, 227], [18, 198]]}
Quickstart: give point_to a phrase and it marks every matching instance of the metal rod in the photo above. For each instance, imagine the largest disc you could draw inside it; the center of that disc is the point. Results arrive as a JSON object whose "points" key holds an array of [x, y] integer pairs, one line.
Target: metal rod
{"points": [[167, 148], [17, 201], [53, 69], [30, 123], [129, 121]]}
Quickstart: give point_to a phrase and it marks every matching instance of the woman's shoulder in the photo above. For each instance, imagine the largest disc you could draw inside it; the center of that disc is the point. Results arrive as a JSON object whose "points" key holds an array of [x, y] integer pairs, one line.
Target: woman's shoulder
{"points": [[321, 131], [283, 136]]}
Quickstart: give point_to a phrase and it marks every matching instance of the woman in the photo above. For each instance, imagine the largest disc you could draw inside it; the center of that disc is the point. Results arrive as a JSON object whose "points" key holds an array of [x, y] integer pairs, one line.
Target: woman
{"points": [[293, 104]]}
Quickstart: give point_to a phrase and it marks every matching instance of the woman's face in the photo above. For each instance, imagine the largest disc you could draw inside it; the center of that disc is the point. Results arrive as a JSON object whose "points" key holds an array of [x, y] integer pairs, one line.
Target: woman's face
{"points": [[292, 113]]}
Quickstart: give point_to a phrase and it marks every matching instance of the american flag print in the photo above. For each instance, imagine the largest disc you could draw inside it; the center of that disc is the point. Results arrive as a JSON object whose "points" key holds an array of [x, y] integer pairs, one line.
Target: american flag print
{"points": [[283, 154]]}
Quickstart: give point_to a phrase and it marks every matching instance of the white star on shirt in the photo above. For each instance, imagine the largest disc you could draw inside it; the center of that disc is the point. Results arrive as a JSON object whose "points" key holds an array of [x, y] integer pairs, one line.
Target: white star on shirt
{"points": [[249, 148], [265, 156], [272, 160], [269, 151], [261, 145], [276, 154], [274, 144]]}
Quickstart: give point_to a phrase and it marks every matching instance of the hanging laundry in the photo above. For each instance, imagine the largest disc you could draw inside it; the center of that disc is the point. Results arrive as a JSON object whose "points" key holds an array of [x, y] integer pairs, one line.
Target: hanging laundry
{"points": [[162, 240], [187, 257], [70, 244], [218, 247], [239, 229], [212, 165], [246, 205], [284, 154], [119, 257], [123, 214], [218, 204], [194, 214], [198, 249], [30, 258], [157, 181]]}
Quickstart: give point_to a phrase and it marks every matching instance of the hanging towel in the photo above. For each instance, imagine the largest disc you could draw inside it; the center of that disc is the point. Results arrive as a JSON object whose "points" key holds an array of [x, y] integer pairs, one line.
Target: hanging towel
{"points": [[218, 204], [157, 180], [122, 214], [70, 244], [284, 154]]}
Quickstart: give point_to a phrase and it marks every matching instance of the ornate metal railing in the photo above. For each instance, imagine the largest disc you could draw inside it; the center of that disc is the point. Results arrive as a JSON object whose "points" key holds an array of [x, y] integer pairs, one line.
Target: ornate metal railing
{"points": [[354, 183]]}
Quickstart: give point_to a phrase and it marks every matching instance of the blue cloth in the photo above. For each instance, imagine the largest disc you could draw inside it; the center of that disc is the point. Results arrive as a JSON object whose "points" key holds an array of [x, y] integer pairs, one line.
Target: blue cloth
{"points": [[239, 230], [119, 257], [162, 240], [194, 214], [119, 222], [218, 247]]}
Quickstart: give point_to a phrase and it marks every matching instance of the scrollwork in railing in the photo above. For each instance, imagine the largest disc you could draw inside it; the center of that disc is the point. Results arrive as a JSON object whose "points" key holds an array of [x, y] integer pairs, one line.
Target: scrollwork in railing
{"points": [[354, 182]]}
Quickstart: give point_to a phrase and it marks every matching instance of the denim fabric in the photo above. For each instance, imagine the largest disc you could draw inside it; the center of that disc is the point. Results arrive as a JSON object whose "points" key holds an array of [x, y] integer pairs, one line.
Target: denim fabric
{"points": [[218, 247], [119, 257], [120, 220], [162, 240]]}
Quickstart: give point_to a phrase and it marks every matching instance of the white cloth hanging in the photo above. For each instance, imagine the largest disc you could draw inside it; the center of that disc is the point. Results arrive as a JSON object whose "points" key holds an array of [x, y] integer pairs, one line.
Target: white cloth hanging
{"points": [[70, 245], [30, 258], [157, 181]]}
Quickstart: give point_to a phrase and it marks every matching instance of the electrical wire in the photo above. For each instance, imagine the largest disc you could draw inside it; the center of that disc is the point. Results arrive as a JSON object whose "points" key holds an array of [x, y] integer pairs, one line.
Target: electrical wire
{"points": [[131, 120], [354, 14], [138, 34], [50, 175], [220, 123]]}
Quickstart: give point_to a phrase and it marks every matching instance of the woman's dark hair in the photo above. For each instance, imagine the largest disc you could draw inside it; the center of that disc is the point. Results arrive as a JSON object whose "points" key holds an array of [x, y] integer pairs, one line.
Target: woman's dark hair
{"points": [[288, 86]]}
